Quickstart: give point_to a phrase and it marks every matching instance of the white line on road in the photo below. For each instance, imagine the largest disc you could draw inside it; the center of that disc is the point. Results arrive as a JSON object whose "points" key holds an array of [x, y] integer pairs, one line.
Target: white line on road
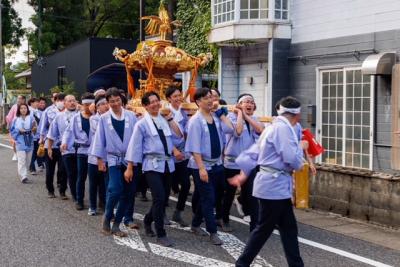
{"points": [[315, 244], [187, 257], [6, 146], [234, 246], [133, 240]]}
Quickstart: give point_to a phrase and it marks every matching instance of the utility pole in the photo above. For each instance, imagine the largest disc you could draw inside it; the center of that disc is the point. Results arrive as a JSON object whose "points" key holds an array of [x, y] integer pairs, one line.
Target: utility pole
{"points": [[1, 50], [3, 107]]}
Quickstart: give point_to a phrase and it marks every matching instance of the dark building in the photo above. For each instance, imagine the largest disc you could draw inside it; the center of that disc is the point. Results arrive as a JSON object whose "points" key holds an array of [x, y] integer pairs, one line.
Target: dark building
{"points": [[79, 60]]}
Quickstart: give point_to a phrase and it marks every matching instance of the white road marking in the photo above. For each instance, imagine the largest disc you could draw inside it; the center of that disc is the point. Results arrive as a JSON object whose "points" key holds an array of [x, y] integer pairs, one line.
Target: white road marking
{"points": [[186, 257], [234, 246], [133, 240], [315, 244], [6, 146]]}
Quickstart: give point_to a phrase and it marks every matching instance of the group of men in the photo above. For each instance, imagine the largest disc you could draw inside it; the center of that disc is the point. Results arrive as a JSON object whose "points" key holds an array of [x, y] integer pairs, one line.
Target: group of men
{"points": [[220, 150]]}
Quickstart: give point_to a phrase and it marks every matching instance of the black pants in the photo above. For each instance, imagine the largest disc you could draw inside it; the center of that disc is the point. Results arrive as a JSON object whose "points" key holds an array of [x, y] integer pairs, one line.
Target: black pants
{"points": [[70, 163], [180, 177], [50, 169], [141, 182], [274, 212], [249, 203], [229, 194], [158, 183]]}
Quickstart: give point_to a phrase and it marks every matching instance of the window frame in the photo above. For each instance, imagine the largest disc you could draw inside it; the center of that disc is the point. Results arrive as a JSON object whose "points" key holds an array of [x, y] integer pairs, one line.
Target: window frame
{"points": [[259, 9], [214, 15], [61, 76], [344, 69], [281, 10]]}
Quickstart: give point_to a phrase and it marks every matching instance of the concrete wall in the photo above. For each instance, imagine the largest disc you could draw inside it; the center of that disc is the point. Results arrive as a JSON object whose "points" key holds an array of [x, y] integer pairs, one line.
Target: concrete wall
{"points": [[229, 76], [361, 195], [303, 85], [241, 62], [323, 19]]}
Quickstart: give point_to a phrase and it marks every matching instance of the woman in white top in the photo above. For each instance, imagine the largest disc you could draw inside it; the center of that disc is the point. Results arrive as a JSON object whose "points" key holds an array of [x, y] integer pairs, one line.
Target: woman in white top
{"points": [[22, 130]]}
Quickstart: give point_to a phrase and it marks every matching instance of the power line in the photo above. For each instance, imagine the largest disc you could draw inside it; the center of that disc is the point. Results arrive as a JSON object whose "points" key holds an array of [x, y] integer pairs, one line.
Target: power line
{"points": [[74, 18]]}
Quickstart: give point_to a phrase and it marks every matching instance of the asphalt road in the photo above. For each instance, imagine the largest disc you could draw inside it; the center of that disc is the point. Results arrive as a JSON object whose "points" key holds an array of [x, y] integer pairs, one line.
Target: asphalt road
{"points": [[37, 231]]}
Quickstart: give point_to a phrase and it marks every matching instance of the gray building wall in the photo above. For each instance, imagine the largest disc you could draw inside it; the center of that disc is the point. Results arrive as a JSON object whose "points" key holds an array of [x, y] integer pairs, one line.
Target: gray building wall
{"points": [[302, 79], [229, 82], [239, 63]]}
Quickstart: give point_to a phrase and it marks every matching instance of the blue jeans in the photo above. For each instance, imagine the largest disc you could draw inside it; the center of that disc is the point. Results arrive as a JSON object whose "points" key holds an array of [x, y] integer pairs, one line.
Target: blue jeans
{"points": [[207, 193], [118, 192], [97, 184], [40, 160], [82, 170], [72, 173]]}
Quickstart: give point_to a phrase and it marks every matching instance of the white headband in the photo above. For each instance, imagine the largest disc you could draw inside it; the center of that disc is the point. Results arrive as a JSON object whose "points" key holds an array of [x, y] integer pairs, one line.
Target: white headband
{"points": [[87, 101], [99, 91], [101, 101], [245, 97], [282, 110]]}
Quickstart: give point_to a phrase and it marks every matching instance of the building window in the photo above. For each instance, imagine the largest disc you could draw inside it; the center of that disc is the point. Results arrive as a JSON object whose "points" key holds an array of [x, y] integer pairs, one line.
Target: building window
{"points": [[281, 9], [61, 78], [224, 11], [253, 9], [346, 118]]}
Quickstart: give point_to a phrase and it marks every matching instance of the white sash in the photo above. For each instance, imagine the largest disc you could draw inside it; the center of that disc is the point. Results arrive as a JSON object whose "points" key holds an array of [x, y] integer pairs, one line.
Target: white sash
{"points": [[161, 123]]}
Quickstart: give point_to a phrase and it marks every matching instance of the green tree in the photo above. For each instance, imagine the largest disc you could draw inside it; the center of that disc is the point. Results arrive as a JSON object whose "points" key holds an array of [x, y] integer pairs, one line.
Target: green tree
{"points": [[60, 23], [68, 89], [195, 16], [64, 22], [9, 73], [12, 30]]}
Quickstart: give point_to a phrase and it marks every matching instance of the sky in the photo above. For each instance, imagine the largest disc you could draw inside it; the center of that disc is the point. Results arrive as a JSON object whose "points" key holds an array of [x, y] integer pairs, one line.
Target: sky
{"points": [[25, 11]]}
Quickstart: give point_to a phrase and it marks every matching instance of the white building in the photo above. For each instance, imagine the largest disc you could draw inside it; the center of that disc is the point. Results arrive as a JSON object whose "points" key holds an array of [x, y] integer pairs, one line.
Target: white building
{"points": [[315, 50]]}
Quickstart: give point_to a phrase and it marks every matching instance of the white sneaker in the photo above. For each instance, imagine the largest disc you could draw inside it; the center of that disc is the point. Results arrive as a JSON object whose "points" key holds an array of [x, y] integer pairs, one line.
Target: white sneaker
{"points": [[14, 158], [33, 173], [238, 207], [91, 212], [40, 168]]}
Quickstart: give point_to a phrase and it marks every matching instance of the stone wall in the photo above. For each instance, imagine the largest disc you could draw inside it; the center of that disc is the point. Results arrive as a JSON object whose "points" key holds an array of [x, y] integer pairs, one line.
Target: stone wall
{"points": [[358, 194]]}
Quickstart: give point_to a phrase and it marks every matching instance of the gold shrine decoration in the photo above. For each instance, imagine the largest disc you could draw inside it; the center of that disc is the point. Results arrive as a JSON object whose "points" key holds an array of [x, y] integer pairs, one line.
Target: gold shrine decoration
{"points": [[159, 59], [161, 25]]}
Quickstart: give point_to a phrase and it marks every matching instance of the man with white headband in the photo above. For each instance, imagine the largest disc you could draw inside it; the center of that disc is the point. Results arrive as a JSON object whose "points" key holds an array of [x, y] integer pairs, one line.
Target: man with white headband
{"points": [[99, 92], [77, 138], [278, 152], [246, 130], [97, 179]]}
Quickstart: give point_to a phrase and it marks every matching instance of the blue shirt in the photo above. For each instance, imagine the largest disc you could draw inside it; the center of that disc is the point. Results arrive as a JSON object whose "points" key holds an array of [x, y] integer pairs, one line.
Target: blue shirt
{"points": [[85, 125], [119, 127], [214, 140]]}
